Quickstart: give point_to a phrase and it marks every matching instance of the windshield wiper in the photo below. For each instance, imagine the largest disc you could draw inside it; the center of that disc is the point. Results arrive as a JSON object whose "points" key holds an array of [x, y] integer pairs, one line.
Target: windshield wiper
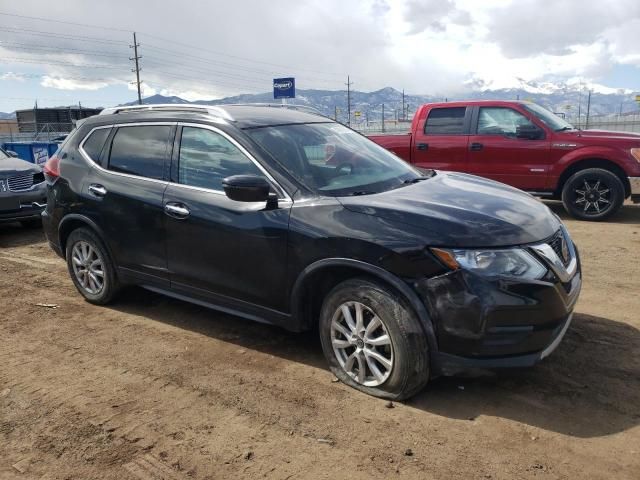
{"points": [[360, 192], [414, 180]]}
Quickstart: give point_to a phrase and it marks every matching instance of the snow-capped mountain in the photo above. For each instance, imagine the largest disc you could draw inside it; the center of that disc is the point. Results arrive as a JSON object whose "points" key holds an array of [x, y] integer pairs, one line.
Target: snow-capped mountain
{"points": [[566, 97]]}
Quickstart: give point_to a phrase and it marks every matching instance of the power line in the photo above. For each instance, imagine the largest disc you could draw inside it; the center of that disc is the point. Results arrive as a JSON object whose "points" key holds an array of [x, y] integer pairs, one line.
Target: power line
{"points": [[64, 22], [68, 64], [71, 51], [60, 35]]}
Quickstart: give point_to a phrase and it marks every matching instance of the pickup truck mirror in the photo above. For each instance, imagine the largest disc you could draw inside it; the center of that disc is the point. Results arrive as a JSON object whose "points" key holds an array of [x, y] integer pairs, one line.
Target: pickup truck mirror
{"points": [[529, 132]]}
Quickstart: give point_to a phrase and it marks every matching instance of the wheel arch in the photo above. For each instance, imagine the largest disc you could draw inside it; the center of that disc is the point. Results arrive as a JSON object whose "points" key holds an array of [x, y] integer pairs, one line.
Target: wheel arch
{"points": [[74, 221], [317, 279], [593, 162]]}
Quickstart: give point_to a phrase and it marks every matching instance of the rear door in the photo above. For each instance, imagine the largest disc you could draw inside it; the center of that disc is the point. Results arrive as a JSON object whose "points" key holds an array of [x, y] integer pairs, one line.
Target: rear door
{"points": [[496, 153], [124, 194], [441, 139], [220, 249]]}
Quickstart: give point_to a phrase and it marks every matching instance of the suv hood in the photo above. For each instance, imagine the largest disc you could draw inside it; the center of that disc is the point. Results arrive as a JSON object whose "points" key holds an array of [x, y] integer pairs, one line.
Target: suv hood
{"points": [[460, 210], [12, 166]]}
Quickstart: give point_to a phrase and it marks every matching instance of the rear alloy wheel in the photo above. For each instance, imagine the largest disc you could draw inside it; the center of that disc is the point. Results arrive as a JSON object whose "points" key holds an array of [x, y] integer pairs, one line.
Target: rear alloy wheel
{"points": [[373, 341], [90, 267], [593, 194]]}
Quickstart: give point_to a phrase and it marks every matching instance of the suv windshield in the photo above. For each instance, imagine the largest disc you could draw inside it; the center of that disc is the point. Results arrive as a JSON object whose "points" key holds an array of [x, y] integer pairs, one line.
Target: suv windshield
{"points": [[550, 119], [333, 159]]}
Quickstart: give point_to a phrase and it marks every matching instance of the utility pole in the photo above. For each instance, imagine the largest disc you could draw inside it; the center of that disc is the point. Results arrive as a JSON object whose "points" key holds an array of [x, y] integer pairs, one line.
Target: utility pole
{"points": [[403, 114], [335, 113], [135, 58], [348, 84], [586, 126], [383, 118]]}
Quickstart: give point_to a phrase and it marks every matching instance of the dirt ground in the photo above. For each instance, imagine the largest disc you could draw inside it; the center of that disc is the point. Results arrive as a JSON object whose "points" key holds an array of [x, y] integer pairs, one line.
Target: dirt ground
{"points": [[154, 388]]}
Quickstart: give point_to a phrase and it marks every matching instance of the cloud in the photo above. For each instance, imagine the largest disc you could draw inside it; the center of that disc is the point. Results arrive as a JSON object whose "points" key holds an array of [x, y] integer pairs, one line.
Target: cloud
{"points": [[434, 15], [13, 76], [60, 83], [528, 28]]}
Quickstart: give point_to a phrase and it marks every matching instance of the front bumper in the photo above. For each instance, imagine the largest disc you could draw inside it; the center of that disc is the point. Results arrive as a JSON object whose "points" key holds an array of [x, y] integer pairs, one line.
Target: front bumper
{"points": [[493, 323], [635, 189], [23, 205]]}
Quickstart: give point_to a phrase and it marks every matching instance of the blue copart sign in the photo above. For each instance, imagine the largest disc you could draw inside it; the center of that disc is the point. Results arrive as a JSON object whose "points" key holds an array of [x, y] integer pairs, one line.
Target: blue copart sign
{"points": [[284, 88]]}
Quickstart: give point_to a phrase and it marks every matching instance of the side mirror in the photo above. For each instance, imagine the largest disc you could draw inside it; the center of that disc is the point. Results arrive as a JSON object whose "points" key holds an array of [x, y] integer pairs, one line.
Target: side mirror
{"points": [[247, 188], [529, 132], [11, 153]]}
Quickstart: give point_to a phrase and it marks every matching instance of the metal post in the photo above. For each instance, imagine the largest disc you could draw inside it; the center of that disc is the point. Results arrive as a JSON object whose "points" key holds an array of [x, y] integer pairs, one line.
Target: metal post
{"points": [[586, 126], [383, 118]]}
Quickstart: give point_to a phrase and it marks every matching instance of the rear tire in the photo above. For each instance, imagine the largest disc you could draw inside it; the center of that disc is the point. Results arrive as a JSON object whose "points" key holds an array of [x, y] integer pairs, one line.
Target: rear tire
{"points": [[593, 194], [90, 267], [386, 358]]}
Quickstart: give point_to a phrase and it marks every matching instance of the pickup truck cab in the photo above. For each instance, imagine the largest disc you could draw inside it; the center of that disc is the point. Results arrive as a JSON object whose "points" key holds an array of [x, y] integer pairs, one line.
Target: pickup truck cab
{"points": [[526, 146]]}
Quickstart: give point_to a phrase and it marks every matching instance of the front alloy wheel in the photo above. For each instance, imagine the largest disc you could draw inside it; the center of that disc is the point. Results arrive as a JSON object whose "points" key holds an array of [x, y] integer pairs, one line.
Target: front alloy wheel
{"points": [[361, 344], [373, 340]]}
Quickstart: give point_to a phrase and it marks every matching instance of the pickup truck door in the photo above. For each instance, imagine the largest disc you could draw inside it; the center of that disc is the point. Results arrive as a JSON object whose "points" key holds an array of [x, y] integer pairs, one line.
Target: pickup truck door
{"points": [[496, 153], [440, 139]]}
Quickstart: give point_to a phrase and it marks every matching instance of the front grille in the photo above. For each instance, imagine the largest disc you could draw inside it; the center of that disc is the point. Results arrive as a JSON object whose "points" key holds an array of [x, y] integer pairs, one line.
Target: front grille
{"points": [[20, 183], [555, 242]]}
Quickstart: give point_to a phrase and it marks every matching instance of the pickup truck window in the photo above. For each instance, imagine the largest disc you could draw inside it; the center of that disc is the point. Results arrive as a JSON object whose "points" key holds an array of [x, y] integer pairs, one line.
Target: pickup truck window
{"points": [[500, 121], [550, 119], [445, 121]]}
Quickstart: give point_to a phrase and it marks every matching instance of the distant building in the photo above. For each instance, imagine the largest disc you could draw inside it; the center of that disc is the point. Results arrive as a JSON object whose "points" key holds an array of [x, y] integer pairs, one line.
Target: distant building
{"points": [[58, 119], [8, 126]]}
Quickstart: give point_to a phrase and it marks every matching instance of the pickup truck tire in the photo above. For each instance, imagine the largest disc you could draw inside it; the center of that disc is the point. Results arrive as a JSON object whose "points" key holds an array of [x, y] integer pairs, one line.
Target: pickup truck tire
{"points": [[593, 194], [373, 340]]}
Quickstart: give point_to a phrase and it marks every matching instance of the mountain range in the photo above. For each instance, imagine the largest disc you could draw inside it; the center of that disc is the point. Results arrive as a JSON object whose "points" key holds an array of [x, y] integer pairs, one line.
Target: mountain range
{"points": [[567, 98], [560, 98]]}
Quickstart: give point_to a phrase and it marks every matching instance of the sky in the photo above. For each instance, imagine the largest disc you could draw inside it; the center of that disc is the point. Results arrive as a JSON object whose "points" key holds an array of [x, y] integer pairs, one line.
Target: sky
{"points": [[62, 53]]}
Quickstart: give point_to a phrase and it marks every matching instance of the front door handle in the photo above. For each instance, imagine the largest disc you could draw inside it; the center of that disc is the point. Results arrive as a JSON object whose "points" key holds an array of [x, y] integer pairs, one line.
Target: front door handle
{"points": [[97, 190], [422, 146], [475, 146], [176, 210]]}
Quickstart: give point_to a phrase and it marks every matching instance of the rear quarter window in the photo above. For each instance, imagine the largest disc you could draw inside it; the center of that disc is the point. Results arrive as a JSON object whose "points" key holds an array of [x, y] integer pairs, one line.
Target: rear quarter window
{"points": [[94, 143], [445, 121]]}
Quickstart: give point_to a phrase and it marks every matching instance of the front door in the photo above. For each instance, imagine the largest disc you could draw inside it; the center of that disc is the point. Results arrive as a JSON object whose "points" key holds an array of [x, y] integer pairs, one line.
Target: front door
{"points": [[221, 249], [441, 139], [496, 153]]}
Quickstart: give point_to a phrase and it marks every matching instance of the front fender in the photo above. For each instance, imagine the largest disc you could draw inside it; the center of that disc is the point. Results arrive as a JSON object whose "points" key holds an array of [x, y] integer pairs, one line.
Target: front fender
{"points": [[298, 306], [572, 157]]}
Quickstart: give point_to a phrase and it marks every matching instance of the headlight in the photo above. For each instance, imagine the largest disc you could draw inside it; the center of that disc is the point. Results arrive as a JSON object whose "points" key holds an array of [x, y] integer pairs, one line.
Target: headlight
{"points": [[511, 262]]}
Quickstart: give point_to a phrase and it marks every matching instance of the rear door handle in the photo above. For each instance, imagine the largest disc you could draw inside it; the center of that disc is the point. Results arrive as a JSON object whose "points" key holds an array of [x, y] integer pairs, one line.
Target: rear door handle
{"points": [[97, 190], [422, 146], [176, 210], [475, 147]]}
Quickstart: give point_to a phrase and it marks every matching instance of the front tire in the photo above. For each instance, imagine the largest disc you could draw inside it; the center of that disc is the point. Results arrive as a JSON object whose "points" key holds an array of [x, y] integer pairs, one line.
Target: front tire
{"points": [[90, 267], [593, 194], [373, 341]]}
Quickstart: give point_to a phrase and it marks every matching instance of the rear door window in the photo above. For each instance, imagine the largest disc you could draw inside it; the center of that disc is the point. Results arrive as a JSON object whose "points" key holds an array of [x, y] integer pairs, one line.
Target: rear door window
{"points": [[445, 121], [140, 150], [94, 143]]}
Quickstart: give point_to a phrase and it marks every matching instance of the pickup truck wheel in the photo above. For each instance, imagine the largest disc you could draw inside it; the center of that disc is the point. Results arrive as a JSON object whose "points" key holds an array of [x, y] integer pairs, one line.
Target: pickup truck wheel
{"points": [[373, 341], [593, 194]]}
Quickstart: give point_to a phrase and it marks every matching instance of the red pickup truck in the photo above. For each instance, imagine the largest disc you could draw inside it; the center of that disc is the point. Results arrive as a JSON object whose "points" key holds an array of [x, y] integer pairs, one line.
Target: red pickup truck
{"points": [[526, 146]]}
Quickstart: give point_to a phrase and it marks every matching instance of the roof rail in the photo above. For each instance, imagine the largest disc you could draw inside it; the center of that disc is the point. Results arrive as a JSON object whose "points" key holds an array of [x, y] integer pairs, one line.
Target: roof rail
{"points": [[208, 109], [303, 108]]}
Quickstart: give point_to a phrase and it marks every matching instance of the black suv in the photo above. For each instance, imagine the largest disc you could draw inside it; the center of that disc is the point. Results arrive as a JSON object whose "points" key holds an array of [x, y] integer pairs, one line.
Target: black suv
{"points": [[284, 216]]}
